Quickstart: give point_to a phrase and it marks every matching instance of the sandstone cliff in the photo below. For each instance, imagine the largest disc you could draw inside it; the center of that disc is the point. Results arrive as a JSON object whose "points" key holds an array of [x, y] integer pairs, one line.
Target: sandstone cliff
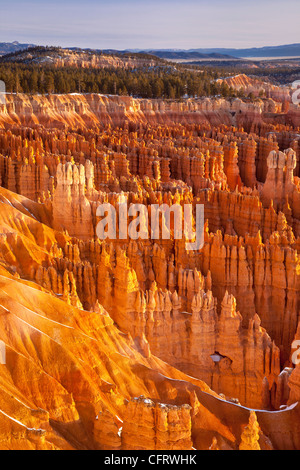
{"points": [[113, 342]]}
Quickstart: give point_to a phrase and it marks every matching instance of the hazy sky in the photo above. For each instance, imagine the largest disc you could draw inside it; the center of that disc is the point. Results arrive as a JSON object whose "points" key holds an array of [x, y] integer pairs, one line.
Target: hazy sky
{"points": [[151, 24]]}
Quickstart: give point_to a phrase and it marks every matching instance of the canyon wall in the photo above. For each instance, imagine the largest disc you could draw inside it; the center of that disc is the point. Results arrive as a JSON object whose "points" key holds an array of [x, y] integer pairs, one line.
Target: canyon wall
{"points": [[141, 340]]}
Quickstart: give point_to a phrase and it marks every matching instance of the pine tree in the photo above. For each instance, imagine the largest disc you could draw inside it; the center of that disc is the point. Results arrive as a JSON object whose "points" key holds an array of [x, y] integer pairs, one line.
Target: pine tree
{"points": [[49, 83]]}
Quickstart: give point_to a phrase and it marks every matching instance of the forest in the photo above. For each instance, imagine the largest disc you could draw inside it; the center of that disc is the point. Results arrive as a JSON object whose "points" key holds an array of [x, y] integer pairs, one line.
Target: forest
{"points": [[161, 81]]}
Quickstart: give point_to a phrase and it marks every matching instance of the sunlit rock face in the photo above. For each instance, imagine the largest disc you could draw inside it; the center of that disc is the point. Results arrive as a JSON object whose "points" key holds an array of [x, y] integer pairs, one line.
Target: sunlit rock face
{"points": [[126, 344], [258, 87]]}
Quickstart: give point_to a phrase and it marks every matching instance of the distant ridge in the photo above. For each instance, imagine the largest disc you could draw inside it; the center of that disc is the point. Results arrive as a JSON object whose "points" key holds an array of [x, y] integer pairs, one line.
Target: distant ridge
{"points": [[289, 50], [188, 55], [9, 47]]}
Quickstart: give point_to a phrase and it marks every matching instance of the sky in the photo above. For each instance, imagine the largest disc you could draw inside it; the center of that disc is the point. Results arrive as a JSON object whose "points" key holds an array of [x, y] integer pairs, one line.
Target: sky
{"points": [[155, 24]]}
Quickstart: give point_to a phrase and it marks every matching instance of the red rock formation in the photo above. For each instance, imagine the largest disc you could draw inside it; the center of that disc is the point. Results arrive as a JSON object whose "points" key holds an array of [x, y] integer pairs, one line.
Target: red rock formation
{"points": [[71, 209], [280, 186], [90, 325], [156, 426], [250, 435], [258, 87]]}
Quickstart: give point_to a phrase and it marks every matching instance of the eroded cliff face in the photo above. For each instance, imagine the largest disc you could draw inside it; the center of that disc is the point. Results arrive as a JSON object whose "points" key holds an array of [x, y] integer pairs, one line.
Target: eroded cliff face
{"points": [[258, 87], [93, 110], [81, 59], [118, 341]]}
